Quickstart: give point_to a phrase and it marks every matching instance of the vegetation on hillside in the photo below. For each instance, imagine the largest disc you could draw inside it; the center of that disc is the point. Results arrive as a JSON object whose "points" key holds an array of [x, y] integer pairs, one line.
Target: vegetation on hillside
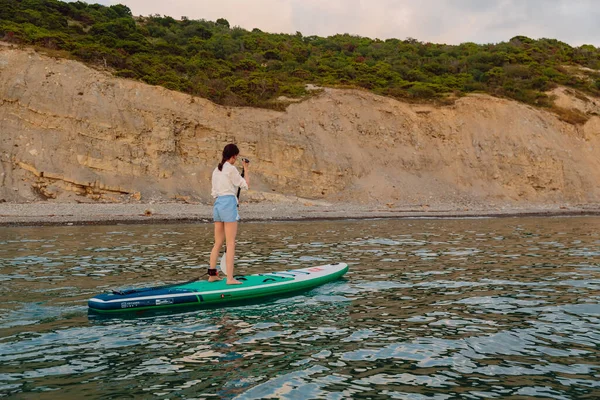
{"points": [[234, 66]]}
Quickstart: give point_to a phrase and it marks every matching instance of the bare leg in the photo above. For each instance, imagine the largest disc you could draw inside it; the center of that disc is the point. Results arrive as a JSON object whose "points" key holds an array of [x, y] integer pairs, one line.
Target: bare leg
{"points": [[214, 254], [230, 234]]}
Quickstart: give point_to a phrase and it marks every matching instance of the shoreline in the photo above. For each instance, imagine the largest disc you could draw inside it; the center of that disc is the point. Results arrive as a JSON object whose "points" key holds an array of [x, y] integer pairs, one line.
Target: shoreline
{"points": [[61, 214]]}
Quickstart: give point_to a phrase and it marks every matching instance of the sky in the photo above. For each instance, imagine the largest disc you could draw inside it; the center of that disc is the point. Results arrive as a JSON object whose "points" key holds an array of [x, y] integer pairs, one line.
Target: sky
{"points": [[576, 22]]}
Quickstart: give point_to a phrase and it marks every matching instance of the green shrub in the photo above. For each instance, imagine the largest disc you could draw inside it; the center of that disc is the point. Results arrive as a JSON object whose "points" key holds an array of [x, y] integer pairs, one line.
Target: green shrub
{"points": [[239, 67], [422, 91]]}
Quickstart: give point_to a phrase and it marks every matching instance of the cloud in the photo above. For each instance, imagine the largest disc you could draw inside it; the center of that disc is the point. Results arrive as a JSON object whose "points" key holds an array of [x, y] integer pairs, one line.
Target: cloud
{"points": [[440, 21], [268, 15]]}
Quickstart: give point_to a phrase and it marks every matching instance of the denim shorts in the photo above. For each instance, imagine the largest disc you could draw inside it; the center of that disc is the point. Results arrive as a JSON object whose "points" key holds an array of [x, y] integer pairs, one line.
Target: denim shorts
{"points": [[225, 209]]}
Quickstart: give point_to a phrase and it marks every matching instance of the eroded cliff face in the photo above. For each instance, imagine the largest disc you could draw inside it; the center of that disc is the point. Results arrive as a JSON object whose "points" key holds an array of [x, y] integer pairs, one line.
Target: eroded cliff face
{"points": [[71, 133]]}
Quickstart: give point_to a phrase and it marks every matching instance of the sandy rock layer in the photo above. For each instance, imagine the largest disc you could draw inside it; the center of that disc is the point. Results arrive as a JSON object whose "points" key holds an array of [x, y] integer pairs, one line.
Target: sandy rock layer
{"points": [[69, 133]]}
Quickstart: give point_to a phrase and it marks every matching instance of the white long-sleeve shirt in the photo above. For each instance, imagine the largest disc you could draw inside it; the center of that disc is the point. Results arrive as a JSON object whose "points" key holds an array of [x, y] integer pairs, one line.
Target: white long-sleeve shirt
{"points": [[227, 182]]}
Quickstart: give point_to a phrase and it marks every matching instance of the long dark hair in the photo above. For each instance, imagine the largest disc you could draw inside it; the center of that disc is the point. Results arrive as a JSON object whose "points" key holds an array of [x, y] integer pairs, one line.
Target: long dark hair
{"points": [[229, 151]]}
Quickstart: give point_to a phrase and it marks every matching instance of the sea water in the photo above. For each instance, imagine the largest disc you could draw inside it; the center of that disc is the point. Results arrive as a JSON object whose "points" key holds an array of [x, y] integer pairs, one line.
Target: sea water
{"points": [[430, 309]]}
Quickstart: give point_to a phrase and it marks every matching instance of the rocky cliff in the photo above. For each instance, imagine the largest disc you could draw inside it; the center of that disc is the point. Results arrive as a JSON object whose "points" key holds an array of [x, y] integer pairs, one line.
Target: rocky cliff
{"points": [[71, 133]]}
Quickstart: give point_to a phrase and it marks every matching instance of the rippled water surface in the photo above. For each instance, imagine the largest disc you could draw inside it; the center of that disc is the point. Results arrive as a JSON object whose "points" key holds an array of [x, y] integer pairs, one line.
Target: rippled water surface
{"points": [[431, 309]]}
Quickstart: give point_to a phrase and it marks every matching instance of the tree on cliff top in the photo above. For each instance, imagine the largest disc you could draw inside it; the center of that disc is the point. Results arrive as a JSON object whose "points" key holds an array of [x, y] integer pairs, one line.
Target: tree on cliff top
{"points": [[238, 67]]}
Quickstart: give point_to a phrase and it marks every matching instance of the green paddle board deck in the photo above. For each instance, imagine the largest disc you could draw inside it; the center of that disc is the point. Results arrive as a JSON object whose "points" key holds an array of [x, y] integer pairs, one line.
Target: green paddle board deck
{"points": [[204, 293]]}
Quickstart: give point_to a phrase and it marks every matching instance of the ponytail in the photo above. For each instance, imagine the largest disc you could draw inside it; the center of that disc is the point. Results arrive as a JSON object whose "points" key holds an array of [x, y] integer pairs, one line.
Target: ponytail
{"points": [[229, 151], [220, 166]]}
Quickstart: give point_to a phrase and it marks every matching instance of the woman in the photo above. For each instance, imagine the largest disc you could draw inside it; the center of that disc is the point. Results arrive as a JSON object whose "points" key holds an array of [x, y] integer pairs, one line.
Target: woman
{"points": [[226, 180]]}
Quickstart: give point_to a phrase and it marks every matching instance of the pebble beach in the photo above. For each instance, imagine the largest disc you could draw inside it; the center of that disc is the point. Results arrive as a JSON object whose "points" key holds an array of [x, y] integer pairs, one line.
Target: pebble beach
{"points": [[46, 213]]}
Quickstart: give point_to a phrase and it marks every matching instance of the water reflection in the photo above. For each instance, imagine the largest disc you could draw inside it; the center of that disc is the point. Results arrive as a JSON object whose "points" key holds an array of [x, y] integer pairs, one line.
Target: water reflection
{"points": [[446, 309]]}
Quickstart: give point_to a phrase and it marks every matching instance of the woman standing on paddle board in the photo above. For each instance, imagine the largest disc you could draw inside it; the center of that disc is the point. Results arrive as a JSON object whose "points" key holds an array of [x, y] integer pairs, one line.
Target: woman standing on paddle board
{"points": [[226, 180]]}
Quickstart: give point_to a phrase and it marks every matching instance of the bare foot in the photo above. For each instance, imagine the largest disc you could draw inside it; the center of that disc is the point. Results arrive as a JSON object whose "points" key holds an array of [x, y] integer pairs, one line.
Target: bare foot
{"points": [[233, 282]]}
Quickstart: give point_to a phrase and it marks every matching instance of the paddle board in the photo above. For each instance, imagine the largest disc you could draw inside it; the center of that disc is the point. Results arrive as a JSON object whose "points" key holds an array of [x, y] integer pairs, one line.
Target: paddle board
{"points": [[202, 292]]}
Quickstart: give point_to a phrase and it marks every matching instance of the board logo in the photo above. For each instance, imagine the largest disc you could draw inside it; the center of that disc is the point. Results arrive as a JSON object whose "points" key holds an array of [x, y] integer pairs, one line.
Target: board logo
{"points": [[162, 302], [129, 304], [315, 269]]}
